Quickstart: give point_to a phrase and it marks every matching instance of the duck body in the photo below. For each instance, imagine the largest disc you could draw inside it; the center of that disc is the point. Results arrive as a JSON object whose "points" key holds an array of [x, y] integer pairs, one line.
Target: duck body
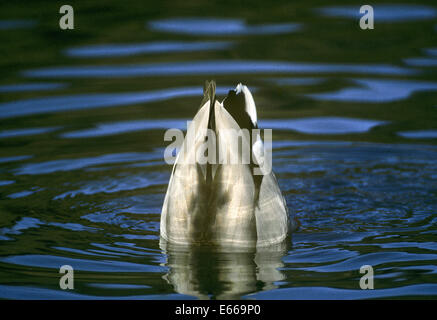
{"points": [[223, 204]]}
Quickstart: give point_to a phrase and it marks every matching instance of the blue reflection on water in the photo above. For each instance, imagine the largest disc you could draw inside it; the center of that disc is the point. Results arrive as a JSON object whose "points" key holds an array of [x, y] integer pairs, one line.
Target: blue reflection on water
{"points": [[431, 51], [327, 293], [219, 27], [295, 81], [39, 86], [26, 223], [316, 125], [117, 50], [37, 293], [21, 225], [105, 129], [419, 134], [323, 125], [6, 182], [113, 185], [214, 67], [80, 163], [321, 255], [24, 193], [53, 262], [377, 90], [374, 259], [118, 286], [16, 24], [421, 62], [87, 101], [14, 158], [26, 132]]}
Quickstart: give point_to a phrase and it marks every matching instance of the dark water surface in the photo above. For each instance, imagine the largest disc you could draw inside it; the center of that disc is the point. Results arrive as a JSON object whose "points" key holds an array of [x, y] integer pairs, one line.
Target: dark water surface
{"points": [[82, 118]]}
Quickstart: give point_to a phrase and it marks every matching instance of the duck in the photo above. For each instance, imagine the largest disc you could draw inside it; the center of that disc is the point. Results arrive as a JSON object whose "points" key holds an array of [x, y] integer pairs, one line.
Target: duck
{"points": [[220, 203]]}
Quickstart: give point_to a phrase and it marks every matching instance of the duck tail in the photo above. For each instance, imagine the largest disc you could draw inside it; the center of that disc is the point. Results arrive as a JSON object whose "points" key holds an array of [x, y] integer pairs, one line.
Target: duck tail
{"points": [[209, 95], [208, 92]]}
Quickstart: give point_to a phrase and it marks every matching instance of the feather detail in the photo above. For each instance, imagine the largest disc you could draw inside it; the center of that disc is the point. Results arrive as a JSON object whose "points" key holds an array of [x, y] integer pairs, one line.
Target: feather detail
{"points": [[223, 203]]}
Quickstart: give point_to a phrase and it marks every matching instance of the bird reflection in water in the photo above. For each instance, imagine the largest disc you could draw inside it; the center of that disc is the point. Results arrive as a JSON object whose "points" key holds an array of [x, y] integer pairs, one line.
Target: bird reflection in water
{"points": [[223, 273]]}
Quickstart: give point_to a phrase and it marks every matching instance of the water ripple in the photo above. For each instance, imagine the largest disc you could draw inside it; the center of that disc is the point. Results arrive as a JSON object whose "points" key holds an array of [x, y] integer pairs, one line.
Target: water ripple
{"points": [[421, 62], [17, 24], [14, 158], [327, 293], [130, 49], [80, 163], [11, 133], [53, 262], [26, 223], [323, 125], [373, 259], [316, 125], [88, 101], [419, 134], [320, 255], [36, 293], [105, 129], [377, 91], [213, 68], [219, 27], [23, 87], [112, 185]]}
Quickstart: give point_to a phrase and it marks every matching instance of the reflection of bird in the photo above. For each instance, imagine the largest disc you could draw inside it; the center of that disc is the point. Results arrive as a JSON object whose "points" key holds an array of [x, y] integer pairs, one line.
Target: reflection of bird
{"points": [[224, 203], [208, 273]]}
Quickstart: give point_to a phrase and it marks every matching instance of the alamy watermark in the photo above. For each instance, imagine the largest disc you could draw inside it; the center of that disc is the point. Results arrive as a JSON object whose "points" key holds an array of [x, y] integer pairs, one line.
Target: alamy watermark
{"points": [[67, 280], [367, 20], [226, 146], [67, 20], [366, 281]]}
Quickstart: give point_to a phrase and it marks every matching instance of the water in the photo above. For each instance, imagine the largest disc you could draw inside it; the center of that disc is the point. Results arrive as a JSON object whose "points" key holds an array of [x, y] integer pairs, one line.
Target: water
{"points": [[82, 174]]}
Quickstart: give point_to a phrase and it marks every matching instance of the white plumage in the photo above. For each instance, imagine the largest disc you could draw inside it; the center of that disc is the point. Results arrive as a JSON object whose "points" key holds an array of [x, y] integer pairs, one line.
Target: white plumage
{"points": [[223, 204]]}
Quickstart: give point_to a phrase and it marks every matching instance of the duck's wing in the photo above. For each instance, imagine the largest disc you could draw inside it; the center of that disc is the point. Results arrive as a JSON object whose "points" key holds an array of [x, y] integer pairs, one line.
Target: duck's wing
{"points": [[233, 187], [182, 220], [262, 198], [271, 211], [242, 214]]}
